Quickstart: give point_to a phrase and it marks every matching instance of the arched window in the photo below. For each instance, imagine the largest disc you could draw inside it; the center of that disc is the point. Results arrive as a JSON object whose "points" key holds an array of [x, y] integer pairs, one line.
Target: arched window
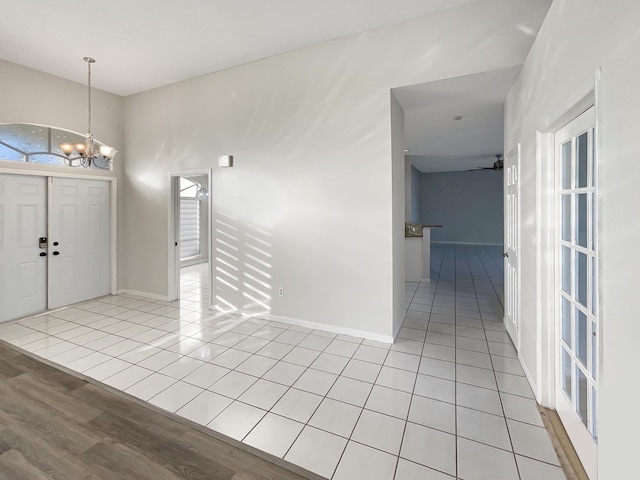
{"points": [[29, 143]]}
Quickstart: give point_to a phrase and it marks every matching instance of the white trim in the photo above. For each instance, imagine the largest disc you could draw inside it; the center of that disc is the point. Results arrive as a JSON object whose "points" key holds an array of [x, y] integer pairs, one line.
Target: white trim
{"points": [[586, 96], [137, 293], [35, 170], [211, 237], [530, 378], [545, 270], [598, 166], [173, 251], [468, 243], [354, 332], [113, 241]]}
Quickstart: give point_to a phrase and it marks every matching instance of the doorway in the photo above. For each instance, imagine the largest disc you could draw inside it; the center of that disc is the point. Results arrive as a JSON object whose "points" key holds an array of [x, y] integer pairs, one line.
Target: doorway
{"points": [[55, 242], [577, 316], [190, 250]]}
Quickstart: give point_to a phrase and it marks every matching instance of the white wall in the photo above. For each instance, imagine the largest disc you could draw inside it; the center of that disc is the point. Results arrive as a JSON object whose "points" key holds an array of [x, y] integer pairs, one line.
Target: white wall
{"points": [[578, 37], [30, 96], [309, 203], [398, 200]]}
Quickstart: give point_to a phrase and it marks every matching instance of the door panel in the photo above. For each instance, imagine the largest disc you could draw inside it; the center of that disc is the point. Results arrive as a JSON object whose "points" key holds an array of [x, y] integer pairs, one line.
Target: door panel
{"points": [[512, 245], [79, 222], [577, 318], [23, 279]]}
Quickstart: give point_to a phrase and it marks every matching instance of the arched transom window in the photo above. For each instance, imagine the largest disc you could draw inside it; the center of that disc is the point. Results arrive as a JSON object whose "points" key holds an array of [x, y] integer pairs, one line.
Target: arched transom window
{"points": [[28, 143]]}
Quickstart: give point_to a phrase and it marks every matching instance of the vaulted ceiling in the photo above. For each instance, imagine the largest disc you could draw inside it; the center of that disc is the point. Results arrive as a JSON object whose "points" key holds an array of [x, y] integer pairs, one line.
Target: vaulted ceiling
{"points": [[143, 44]]}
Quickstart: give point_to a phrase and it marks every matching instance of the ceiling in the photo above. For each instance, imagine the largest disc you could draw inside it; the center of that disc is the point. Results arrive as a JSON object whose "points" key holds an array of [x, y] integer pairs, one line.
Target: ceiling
{"points": [[440, 143], [143, 44]]}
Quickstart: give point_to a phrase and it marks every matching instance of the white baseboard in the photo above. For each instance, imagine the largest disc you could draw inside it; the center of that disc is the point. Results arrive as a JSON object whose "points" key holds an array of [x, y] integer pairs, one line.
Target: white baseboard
{"points": [[468, 243], [316, 326], [532, 383], [152, 296]]}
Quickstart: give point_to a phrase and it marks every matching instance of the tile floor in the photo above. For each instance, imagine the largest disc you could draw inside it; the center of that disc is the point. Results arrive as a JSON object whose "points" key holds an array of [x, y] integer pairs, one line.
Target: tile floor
{"points": [[448, 400]]}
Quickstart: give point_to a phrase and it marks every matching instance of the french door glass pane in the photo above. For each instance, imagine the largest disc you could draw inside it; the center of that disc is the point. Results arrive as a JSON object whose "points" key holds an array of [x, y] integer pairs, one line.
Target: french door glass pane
{"points": [[581, 278], [566, 372], [566, 321], [581, 337], [566, 218], [592, 159], [581, 160], [566, 269], [581, 220], [566, 165], [594, 298], [593, 221], [582, 395]]}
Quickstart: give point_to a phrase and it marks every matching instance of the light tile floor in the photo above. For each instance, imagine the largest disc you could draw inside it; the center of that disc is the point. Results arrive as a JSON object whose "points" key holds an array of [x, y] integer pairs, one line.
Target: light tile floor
{"points": [[448, 400]]}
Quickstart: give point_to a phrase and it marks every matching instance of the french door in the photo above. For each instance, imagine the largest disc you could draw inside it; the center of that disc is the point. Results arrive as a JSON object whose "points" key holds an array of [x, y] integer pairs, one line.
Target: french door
{"points": [[577, 318], [54, 242]]}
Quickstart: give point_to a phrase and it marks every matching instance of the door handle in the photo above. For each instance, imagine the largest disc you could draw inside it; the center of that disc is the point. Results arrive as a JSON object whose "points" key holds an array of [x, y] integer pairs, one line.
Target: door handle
{"points": [[43, 254], [505, 254], [56, 253]]}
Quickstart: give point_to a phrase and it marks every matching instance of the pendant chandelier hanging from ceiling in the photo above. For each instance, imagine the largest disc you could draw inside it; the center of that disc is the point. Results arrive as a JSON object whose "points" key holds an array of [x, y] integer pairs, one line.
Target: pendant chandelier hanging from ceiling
{"points": [[90, 153]]}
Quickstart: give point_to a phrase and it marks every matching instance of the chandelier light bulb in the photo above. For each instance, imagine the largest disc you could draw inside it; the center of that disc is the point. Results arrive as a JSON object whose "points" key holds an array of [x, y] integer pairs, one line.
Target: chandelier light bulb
{"points": [[66, 148]]}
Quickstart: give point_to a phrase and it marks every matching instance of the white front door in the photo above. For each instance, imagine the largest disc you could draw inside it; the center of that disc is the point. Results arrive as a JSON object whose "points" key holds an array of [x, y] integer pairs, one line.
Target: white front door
{"points": [[23, 279], [79, 257], [512, 245], [577, 318]]}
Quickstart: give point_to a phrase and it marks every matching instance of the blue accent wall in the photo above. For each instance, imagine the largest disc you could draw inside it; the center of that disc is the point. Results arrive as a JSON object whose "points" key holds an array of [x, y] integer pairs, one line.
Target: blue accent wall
{"points": [[469, 205]]}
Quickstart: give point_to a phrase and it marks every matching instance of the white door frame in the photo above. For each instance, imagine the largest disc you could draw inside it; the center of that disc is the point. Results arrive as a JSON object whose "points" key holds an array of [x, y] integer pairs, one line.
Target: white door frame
{"points": [[583, 441], [585, 96], [173, 249], [113, 204]]}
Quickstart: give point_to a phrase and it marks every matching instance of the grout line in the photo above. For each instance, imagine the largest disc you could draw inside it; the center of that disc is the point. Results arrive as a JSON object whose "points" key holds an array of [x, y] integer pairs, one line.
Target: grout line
{"points": [[449, 294]]}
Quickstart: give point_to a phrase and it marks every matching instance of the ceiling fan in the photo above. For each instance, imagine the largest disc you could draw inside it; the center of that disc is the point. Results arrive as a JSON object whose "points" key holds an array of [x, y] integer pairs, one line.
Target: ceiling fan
{"points": [[498, 165]]}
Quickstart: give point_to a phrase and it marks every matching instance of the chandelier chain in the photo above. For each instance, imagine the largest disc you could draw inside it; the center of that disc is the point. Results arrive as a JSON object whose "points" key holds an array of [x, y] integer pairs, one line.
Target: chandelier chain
{"points": [[89, 93]]}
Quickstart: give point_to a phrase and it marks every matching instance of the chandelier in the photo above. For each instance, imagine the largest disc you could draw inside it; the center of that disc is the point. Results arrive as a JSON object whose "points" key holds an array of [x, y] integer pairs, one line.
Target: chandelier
{"points": [[91, 152]]}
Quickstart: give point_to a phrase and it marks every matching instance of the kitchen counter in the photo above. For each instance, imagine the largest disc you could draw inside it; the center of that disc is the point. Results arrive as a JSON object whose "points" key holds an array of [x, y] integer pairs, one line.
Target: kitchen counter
{"points": [[417, 252]]}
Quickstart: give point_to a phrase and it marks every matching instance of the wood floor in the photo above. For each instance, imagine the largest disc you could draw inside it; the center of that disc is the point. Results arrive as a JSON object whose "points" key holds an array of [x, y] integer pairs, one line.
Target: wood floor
{"points": [[57, 426]]}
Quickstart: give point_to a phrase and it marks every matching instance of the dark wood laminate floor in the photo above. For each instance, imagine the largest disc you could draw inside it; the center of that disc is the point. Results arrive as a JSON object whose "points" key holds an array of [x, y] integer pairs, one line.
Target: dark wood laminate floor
{"points": [[57, 426]]}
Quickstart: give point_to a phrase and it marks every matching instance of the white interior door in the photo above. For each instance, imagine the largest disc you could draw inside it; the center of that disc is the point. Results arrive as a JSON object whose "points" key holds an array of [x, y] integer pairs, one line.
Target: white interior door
{"points": [[577, 318], [512, 245], [79, 256], [23, 279]]}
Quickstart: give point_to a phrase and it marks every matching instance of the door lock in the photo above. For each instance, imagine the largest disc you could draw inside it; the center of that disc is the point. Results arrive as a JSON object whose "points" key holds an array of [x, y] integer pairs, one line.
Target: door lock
{"points": [[505, 254], [42, 242]]}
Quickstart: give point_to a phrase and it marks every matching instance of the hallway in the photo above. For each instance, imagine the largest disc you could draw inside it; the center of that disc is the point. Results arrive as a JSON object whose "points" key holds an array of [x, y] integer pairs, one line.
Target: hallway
{"points": [[447, 400]]}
